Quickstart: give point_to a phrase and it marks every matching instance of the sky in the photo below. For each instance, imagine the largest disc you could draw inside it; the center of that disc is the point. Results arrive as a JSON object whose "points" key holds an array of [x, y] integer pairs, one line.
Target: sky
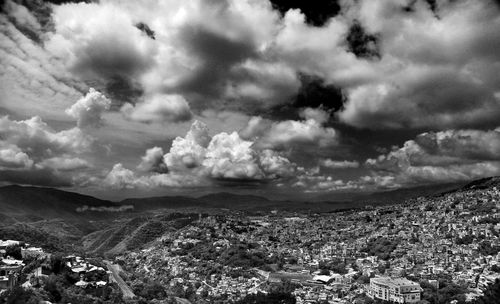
{"points": [[278, 98]]}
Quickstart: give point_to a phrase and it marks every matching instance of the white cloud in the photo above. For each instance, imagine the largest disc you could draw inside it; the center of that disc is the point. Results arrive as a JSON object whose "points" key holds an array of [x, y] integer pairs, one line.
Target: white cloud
{"points": [[435, 71], [230, 157], [31, 152], [188, 152], [64, 163], [159, 108], [122, 178], [329, 163], [198, 159], [35, 136], [32, 80], [280, 135], [11, 157], [88, 109], [152, 161], [100, 40]]}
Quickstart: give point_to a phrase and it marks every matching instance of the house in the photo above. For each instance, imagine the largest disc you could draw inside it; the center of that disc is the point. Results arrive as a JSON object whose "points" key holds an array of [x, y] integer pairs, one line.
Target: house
{"points": [[9, 272]]}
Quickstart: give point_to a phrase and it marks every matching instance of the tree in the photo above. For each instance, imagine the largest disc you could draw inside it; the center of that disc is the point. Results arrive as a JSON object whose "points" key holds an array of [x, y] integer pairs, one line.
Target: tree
{"points": [[14, 252], [491, 294], [270, 298], [19, 295]]}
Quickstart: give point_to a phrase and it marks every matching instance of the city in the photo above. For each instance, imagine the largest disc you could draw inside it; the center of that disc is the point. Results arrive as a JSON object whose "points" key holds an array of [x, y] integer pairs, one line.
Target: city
{"points": [[443, 249]]}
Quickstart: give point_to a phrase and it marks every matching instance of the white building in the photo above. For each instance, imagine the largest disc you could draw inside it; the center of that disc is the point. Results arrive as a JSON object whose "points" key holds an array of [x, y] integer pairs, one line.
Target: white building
{"points": [[397, 290]]}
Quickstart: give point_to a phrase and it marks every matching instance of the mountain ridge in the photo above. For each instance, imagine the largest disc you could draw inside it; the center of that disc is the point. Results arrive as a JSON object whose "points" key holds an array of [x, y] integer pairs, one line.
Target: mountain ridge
{"points": [[41, 201]]}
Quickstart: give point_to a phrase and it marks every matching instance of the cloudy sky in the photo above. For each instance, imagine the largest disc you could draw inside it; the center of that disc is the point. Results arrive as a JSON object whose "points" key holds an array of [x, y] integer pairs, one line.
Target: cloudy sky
{"points": [[272, 97]]}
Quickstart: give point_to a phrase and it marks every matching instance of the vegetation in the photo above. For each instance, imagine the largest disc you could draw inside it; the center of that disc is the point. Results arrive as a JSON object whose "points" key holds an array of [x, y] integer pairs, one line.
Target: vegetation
{"points": [[380, 247], [270, 298], [447, 292], [491, 294]]}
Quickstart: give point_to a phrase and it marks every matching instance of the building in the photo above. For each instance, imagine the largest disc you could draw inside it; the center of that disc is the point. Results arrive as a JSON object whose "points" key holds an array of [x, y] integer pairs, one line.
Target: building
{"points": [[397, 290], [9, 274]]}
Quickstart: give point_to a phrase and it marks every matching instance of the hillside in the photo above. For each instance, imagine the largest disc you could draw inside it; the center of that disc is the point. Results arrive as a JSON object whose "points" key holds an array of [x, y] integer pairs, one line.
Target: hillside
{"points": [[48, 202], [51, 217], [135, 233]]}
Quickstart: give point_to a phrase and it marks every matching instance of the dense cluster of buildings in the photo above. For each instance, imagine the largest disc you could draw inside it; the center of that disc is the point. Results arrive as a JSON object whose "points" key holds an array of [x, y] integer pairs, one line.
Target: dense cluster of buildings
{"points": [[34, 264], [382, 252]]}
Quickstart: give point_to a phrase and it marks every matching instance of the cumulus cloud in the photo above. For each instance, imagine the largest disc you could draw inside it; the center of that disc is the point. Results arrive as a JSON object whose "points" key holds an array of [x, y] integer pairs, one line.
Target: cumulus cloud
{"points": [[199, 159], [31, 152], [37, 137], [230, 157], [279, 135], [88, 109], [11, 157], [100, 40], [122, 178], [452, 155], [152, 161], [188, 152]]}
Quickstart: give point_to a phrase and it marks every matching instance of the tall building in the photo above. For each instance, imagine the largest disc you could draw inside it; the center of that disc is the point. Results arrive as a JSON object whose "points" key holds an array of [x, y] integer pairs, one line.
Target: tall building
{"points": [[397, 290]]}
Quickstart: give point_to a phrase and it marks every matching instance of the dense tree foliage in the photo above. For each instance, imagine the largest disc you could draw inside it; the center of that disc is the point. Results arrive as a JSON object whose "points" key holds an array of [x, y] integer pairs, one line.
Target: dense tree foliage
{"points": [[270, 298], [491, 294], [380, 247]]}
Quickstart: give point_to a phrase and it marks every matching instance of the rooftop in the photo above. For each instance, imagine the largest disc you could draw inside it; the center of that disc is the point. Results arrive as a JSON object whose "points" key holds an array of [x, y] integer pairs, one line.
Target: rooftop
{"points": [[393, 281]]}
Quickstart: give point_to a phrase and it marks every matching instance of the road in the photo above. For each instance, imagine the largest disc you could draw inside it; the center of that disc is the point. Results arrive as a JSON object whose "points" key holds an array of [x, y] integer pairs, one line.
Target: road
{"points": [[182, 300], [115, 272]]}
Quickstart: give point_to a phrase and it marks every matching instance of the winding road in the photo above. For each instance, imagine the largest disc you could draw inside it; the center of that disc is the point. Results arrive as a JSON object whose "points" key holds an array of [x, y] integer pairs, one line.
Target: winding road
{"points": [[115, 272]]}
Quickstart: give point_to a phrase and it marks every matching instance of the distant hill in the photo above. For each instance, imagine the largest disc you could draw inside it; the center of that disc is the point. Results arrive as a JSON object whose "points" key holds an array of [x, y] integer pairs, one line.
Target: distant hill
{"points": [[391, 196], [483, 183], [59, 216], [215, 200], [47, 202]]}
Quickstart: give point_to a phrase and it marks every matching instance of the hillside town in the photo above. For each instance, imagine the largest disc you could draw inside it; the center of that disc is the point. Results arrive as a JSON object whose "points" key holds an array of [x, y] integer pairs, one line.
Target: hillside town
{"points": [[442, 249], [399, 253]]}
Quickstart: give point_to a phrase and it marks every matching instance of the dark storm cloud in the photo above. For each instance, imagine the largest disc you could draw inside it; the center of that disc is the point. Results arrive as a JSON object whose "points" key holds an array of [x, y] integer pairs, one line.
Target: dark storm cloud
{"points": [[313, 93], [122, 90], [362, 44], [146, 29], [217, 55], [110, 60]]}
